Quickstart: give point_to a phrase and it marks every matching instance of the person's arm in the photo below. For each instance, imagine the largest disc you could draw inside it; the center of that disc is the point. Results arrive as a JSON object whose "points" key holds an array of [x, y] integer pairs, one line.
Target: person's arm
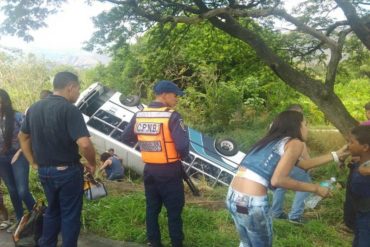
{"points": [[179, 135], [87, 150], [364, 170], [280, 178], [128, 136], [78, 132], [108, 162], [307, 164], [25, 142], [305, 154]]}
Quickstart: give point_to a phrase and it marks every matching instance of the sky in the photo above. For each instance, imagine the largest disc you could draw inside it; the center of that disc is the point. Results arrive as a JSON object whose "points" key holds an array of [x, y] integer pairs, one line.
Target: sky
{"points": [[66, 31], [69, 29]]}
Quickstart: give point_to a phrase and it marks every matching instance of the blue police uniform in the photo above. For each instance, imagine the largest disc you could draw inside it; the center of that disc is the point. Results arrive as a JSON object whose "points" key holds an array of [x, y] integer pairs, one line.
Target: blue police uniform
{"points": [[163, 182]]}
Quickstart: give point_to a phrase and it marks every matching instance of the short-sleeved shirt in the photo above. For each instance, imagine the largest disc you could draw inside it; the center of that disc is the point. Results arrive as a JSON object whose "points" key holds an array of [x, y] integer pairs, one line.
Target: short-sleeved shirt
{"points": [[360, 185], [54, 125]]}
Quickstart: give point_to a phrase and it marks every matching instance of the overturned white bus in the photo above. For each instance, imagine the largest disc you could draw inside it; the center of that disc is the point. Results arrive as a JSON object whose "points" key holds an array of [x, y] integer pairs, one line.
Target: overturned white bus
{"points": [[107, 113]]}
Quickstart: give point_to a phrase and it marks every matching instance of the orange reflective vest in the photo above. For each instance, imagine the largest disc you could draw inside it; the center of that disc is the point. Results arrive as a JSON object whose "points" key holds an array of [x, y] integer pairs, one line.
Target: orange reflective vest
{"points": [[153, 132]]}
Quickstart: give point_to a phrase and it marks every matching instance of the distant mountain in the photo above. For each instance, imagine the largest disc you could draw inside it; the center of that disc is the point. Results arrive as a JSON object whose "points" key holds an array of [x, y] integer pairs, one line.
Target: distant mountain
{"points": [[76, 58]]}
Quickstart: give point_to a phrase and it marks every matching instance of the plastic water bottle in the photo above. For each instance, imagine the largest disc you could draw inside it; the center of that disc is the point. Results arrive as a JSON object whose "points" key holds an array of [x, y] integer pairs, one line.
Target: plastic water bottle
{"points": [[312, 201]]}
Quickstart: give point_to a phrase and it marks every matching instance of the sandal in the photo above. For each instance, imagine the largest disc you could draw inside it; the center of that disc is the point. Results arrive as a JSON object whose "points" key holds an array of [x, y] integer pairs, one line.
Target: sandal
{"points": [[5, 224]]}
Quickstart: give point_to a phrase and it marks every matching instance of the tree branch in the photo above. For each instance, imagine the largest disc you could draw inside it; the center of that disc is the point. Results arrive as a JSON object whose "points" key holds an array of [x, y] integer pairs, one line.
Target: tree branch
{"points": [[301, 26], [181, 6], [286, 72], [336, 56], [358, 24]]}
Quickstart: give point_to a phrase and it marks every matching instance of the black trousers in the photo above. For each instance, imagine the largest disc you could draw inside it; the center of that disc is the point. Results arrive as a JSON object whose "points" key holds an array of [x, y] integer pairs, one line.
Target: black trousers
{"points": [[164, 186]]}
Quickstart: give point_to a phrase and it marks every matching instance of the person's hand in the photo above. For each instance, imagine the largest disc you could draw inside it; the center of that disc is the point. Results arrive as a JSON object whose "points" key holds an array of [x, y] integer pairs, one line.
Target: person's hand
{"points": [[16, 156], [34, 165], [364, 170], [355, 159], [343, 152], [90, 168], [323, 191]]}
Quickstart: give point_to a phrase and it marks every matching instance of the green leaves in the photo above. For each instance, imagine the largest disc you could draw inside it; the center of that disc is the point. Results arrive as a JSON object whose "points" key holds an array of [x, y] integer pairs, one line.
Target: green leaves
{"points": [[25, 16]]}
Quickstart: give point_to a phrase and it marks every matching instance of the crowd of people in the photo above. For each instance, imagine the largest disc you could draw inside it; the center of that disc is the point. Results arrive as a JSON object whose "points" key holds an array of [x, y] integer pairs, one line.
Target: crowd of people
{"points": [[52, 134]]}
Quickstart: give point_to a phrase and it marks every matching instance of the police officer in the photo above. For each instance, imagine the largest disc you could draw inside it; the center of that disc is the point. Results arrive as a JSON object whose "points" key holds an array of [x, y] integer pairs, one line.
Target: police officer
{"points": [[163, 141]]}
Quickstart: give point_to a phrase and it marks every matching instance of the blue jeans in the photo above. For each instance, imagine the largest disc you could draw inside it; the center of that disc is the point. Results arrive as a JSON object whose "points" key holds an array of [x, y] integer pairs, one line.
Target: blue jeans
{"points": [[115, 176], [298, 203], [6, 173], [251, 217], [63, 187], [362, 230], [21, 171]]}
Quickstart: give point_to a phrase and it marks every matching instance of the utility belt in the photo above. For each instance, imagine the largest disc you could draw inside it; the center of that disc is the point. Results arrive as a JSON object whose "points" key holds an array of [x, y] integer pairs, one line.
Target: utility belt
{"points": [[164, 164], [61, 166]]}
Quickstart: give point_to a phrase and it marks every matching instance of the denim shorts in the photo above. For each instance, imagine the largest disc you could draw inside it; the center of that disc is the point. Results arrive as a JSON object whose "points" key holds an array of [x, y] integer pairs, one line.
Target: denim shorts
{"points": [[251, 217]]}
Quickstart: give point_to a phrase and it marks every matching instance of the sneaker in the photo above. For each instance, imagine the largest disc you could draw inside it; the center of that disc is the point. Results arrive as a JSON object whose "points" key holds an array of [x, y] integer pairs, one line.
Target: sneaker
{"points": [[5, 224], [282, 216], [154, 245], [298, 221], [13, 227]]}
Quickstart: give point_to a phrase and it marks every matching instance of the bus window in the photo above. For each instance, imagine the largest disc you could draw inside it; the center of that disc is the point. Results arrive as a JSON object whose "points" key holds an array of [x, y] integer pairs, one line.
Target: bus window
{"points": [[94, 100], [225, 177], [100, 125], [118, 132], [108, 118], [207, 168], [202, 170]]}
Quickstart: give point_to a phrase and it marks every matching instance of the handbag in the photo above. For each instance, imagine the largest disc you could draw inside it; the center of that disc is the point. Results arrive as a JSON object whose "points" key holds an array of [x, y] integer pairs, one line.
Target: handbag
{"points": [[29, 229], [94, 189]]}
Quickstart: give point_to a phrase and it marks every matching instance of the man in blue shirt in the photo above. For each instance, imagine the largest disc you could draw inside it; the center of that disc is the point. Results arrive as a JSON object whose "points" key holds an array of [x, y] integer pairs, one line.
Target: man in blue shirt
{"points": [[163, 141], [51, 136]]}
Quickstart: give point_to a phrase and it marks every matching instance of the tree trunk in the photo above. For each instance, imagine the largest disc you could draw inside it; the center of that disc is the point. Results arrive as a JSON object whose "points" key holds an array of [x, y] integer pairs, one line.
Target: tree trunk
{"points": [[335, 112]]}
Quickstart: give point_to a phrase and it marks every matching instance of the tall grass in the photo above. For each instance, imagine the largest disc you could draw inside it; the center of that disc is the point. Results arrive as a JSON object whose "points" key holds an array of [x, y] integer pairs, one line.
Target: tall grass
{"points": [[123, 218]]}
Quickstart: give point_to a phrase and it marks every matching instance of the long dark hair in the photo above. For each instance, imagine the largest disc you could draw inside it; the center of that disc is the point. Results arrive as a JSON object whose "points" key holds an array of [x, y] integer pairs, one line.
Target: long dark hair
{"points": [[286, 124], [7, 111]]}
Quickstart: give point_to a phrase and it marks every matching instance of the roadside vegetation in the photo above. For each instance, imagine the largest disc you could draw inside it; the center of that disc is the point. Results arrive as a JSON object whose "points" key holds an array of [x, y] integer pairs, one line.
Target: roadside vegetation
{"points": [[121, 215], [229, 93]]}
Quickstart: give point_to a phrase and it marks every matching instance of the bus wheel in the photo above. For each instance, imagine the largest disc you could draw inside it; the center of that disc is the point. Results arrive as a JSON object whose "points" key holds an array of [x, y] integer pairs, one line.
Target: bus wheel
{"points": [[227, 146]]}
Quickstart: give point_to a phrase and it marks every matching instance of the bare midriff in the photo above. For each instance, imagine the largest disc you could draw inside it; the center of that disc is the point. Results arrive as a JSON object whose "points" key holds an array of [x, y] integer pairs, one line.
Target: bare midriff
{"points": [[247, 186]]}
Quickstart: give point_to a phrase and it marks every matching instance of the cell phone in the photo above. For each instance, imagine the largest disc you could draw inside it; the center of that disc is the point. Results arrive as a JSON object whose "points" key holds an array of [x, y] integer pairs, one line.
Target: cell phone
{"points": [[241, 209]]}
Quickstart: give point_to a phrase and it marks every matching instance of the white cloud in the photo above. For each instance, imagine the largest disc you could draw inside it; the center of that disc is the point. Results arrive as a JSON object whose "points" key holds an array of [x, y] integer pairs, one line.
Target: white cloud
{"points": [[67, 30]]}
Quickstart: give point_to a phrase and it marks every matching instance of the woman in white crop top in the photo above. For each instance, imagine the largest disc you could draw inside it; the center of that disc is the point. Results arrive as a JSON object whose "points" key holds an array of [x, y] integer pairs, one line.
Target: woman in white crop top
{"points": [[247, 196]]}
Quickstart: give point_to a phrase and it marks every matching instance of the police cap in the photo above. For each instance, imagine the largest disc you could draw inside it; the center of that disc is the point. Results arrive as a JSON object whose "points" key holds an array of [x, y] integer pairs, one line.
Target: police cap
{"points": [[167, 87]]}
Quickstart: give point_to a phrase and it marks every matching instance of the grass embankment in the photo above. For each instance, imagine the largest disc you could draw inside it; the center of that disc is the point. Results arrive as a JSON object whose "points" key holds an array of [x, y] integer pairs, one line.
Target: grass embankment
{"points": [[207, 223], [122, 215]]}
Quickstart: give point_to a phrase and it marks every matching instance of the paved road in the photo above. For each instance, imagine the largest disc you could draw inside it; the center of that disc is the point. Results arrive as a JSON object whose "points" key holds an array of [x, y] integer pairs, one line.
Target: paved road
{"points": [[86, 240]]}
